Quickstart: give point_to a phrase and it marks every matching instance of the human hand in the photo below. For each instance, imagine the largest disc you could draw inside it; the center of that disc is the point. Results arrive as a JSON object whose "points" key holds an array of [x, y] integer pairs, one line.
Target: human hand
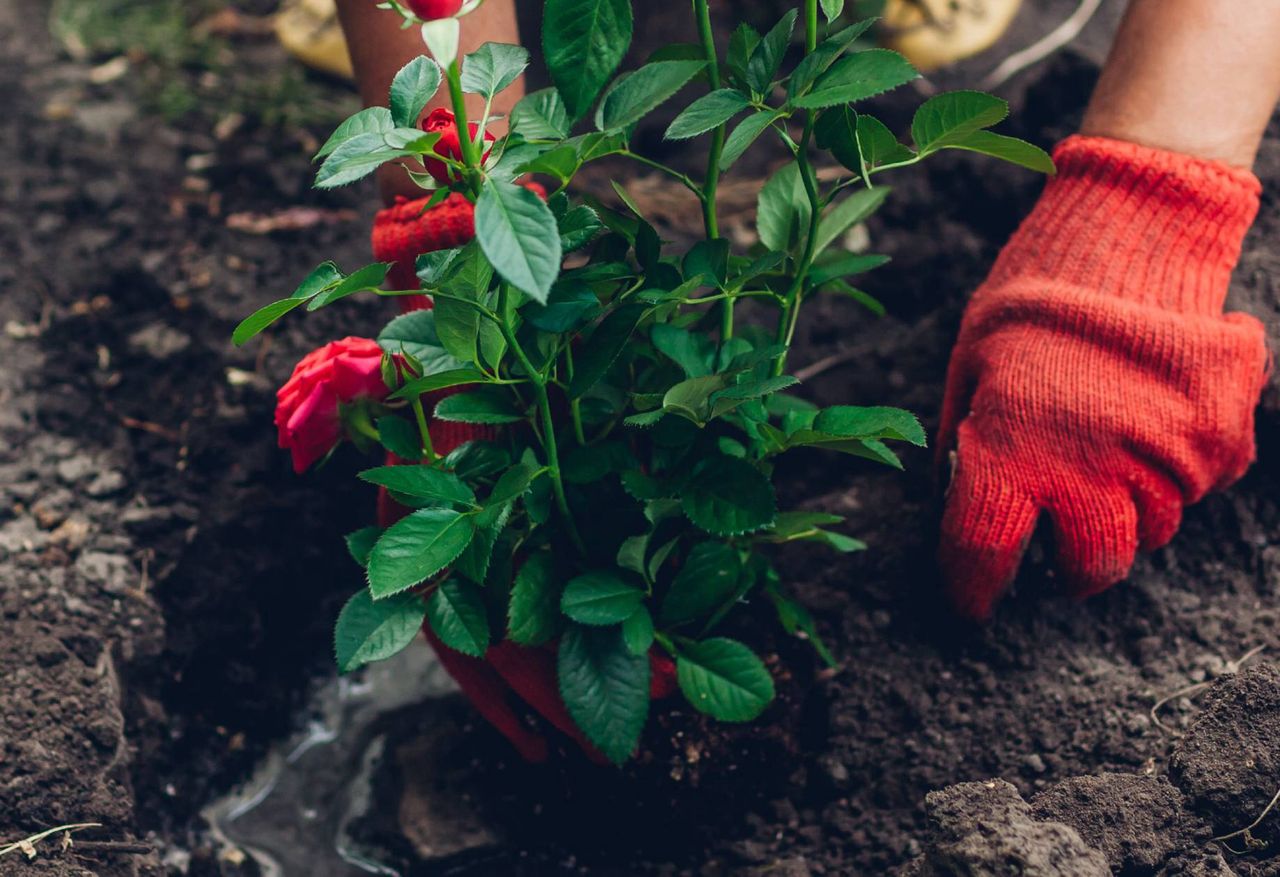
{"points": [[1095, 376]]}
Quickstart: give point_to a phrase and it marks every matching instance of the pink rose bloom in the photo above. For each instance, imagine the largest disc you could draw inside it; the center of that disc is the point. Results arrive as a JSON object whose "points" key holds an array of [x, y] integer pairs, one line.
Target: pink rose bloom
{"points": [[307, 405]]}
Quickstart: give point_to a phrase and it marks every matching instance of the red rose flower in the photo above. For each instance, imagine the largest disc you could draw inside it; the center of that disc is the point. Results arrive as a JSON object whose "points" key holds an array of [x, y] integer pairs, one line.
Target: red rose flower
{"points": [[307, 416], [430, 10], [448, 145]]}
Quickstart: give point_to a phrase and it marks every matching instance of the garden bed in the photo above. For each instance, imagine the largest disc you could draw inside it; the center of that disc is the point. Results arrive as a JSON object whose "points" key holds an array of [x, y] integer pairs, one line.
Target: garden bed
{"points": [[157, 644]]}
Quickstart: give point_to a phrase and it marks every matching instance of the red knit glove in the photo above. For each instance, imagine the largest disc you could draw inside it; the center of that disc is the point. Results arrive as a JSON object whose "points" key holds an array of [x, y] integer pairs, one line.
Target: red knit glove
{"points": [[400, 234], [1096, 377]]}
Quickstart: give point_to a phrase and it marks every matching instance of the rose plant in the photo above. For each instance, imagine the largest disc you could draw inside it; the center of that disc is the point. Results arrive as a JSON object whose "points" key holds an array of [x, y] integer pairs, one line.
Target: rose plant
{"points": [[622, 505]]}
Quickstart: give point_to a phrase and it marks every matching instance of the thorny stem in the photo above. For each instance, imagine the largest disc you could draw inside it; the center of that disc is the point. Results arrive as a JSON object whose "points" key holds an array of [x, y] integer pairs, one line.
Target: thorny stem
{"points": [[539, 381], [791, 310]]}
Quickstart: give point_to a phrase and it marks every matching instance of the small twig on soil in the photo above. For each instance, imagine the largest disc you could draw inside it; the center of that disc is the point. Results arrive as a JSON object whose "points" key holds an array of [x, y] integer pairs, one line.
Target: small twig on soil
{"points": [[1251, 843], [27, 846], [1197, 688], [154, 428], [115, 846]]}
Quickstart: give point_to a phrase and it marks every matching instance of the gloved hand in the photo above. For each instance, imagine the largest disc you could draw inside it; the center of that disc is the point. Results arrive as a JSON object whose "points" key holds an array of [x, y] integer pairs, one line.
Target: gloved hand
{"points": [[400, 234], [1096, 377]]}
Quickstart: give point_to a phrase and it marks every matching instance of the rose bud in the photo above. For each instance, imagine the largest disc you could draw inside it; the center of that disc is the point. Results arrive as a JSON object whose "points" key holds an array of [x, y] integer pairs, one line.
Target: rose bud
{"points": [[442, 120]]}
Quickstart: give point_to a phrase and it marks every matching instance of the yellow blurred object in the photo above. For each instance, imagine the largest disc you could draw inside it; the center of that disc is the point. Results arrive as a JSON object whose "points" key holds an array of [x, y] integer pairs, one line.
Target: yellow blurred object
{"points": [[934, 33], [309, 30]]}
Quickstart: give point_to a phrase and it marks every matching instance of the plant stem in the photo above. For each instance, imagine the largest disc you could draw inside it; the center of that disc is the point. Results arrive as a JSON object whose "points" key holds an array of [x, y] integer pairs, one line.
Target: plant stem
{"points": [[421, 417], [469, 155], [710, 220], [539, 381], [791, 310], [575, 407]]}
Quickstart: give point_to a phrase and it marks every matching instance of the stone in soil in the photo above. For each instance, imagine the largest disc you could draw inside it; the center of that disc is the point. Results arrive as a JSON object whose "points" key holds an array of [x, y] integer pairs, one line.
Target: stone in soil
{"points": [[1228, 764]]}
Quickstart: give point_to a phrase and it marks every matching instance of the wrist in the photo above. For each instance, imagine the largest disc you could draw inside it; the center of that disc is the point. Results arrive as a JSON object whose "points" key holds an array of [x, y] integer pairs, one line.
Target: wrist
{"points": [[1143, 224]]}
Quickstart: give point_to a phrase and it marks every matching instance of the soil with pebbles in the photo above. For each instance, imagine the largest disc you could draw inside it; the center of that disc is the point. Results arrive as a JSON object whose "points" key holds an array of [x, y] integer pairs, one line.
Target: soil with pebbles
{"points": [[167, 585]]}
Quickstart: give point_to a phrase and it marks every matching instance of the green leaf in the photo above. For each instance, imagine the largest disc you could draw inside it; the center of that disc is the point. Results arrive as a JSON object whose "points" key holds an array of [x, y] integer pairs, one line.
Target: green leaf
{"points": [[878, 146], [691, 351], [707, 112], [845, 266], [578, 227], [583, 41], [691, 398], [400, 437], [728, 497], [603, 347], [370, 277], [533, 615], [262, 318], [724, 679], [599, 598], [417, 547], [373, 630], [796, 620], [477, 459], [742, 43], [707, 261], [634, 97], [415, 334], [848, 213], [837, 131], [707, 578], [371, 120], [484, 406], [570, 304], [767, 56], [458, 617], [360, 543], [817, 62], [473, 563], [832, 9], [413, 86], [869, 302], [513, 483], [492, 67], [637, 631], [540, 115], [605, 688], [747, 132], [356, 158], [783, 210], [439, 381], [726, 400], [426, 482], [857, 77], [944, 119], [1009, 149], [518, 233], [851, 421]]}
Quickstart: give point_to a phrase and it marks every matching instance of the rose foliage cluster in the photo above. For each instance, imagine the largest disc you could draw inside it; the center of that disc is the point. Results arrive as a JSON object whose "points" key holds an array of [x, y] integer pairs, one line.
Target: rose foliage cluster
{"points": [[624, 504]]}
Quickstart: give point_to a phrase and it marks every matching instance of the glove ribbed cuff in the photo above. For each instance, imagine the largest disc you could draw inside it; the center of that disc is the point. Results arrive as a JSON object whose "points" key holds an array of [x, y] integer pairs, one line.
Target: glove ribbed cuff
{"points": [[1146, 225]]}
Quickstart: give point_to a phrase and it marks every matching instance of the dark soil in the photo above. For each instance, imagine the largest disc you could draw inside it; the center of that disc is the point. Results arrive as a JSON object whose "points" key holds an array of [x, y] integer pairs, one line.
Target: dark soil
{"points": [[167, 585]]}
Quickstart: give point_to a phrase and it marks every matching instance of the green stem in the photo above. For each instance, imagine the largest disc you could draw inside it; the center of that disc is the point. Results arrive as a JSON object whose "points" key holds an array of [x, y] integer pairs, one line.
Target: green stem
{"points": [[470, 156], [549, 443], [710, 220], [575, 407], [421, 416], [791, 309]]}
